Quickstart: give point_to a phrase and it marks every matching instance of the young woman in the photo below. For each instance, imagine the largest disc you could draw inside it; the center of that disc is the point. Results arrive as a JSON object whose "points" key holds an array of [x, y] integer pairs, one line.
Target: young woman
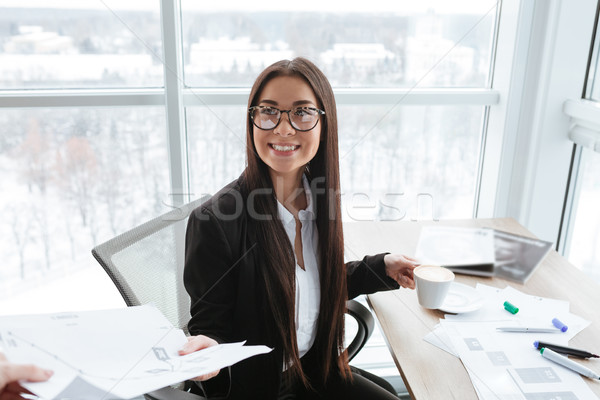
{"points": [[265, 255]]}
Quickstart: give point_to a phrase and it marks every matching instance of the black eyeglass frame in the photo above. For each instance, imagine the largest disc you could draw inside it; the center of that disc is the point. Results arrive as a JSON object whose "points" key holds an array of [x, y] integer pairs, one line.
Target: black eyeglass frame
{"points": [[319, 113]]}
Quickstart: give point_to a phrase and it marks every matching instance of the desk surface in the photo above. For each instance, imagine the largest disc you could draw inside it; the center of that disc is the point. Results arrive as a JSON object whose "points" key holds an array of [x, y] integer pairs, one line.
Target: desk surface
{"points": [[431, 373]]}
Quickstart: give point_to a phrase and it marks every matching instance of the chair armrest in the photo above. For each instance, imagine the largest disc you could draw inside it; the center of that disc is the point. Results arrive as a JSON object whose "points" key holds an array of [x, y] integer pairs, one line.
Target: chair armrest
{"points": [[366, 324], [170, 393]]}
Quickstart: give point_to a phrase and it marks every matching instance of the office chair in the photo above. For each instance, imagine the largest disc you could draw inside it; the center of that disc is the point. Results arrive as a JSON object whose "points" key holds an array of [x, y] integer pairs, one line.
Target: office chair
{"points": [[146, 265]]}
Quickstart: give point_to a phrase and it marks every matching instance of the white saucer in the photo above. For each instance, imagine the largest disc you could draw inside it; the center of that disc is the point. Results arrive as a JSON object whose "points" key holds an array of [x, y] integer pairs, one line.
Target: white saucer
{"points": [[461, 299]]}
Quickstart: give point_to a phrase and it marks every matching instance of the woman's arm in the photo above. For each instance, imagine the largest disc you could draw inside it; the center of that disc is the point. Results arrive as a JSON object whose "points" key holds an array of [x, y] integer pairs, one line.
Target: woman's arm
{"points": [[210, 283], [207, 276], [379, 272]]}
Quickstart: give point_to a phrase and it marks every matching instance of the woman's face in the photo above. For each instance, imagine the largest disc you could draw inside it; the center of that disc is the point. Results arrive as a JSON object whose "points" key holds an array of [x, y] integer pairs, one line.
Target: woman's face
{"points": [[285, 150]]}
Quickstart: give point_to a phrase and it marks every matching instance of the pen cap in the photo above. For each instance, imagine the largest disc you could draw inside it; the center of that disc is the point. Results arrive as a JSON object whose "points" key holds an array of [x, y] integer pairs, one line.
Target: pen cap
{"points": [[559, 325], [510, 308]]}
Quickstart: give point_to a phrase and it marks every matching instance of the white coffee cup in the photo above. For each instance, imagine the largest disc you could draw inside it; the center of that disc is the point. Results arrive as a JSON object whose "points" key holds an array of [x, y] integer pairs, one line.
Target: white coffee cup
{"points": [[432, 283]]}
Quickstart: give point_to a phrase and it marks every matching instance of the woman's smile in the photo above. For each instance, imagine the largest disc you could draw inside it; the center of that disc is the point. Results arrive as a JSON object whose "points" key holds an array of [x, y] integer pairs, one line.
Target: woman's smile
{"points": [[284, 149]]}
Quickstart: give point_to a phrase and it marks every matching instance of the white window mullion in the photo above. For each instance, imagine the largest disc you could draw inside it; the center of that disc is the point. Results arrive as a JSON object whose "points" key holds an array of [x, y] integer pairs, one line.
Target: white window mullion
{"points": [[571, 201], [357, 96], [81, 98], [408, 96], [498, 148], [225, 96], [562, 76], [176, 131], [173, 73]]}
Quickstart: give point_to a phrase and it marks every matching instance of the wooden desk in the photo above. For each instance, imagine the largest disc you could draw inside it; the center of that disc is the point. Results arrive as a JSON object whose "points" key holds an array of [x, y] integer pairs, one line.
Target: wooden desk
{"points": [[427, 371]]}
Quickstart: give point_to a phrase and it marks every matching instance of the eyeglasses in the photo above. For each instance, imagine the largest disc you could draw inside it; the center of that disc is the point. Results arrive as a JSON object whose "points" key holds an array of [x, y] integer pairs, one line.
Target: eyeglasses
{"points": [[301, 118]]}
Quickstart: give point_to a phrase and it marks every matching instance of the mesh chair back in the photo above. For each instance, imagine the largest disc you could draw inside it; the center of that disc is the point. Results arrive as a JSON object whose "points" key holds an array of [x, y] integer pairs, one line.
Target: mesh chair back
{"points": [[146, 264]]}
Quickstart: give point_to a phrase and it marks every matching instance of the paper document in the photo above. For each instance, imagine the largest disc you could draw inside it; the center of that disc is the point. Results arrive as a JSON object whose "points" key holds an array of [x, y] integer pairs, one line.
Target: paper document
{"points": [[481, 251], [506, 365], [469, 250], [110, 354]]}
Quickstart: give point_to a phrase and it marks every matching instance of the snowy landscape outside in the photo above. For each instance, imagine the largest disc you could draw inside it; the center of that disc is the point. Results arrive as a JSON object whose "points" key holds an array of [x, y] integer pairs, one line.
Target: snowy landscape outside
{"points": [[73, 178]]}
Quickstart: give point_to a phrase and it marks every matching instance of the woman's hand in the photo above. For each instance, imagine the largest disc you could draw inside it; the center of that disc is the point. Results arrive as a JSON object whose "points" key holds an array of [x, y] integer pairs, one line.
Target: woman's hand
{"points": [[196, 343], [10, 374], [400, 268]]}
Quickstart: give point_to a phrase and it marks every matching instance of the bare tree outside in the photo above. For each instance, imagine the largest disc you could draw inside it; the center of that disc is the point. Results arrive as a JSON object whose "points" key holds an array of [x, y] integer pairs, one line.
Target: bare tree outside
{"points": [[20, 223]]}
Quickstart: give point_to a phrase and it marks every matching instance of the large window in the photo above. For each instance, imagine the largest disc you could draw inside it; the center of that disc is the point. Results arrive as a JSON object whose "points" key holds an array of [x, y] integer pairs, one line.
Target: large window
{"points": [[593, 80], [102, 134], [80, 44], [584, 249], [387, 44], [71, 179], [582, 214], [395, 152], [216, 145], [421, 162], [422, 154]]}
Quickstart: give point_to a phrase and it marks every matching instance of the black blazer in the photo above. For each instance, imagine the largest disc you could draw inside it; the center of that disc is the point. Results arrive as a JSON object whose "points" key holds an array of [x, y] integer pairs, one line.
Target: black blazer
{"points": [[228, 300]]}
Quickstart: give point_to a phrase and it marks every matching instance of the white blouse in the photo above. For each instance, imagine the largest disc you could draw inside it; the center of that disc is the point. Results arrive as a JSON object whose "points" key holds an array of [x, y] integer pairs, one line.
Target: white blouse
{"points": [[308, 290]]}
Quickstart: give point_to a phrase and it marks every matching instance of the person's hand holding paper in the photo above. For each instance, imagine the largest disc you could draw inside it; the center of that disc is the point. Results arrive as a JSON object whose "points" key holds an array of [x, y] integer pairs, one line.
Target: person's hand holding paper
{"points": [[135, 350], [196, 343]]}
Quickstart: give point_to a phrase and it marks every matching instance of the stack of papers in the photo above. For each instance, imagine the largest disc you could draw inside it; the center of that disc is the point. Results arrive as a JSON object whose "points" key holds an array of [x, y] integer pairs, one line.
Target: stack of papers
{"points": [[481, 251], [506, 365], [109, 354], [469, 250]]}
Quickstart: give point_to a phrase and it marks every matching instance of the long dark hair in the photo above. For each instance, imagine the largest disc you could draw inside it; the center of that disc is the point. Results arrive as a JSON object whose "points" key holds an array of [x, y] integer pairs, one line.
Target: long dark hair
{"points": [[279, 273]]}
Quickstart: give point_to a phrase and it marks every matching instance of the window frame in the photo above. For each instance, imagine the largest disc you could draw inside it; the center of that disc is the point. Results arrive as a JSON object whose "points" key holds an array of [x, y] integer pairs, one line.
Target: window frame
{"points": [[531, 176], [500, 99], [584, 132]]}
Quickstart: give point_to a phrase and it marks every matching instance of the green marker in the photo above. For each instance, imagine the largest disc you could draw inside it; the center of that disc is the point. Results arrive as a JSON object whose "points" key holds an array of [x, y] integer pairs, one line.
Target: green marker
{"points": [[510, 308]]}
